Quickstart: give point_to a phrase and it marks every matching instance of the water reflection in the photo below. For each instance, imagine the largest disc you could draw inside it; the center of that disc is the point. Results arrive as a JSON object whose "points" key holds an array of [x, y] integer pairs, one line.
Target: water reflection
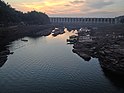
{"points": [[63, 36], [116, 80], [26, 41], [48, 65]]}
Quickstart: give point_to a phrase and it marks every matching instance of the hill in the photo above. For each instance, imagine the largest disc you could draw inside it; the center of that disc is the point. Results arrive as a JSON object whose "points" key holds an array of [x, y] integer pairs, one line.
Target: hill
{"points": [[10, 16]]}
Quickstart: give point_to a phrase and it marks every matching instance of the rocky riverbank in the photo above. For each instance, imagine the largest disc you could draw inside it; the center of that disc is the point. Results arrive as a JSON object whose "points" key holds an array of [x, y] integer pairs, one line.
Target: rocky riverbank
{"points": [[12, 33], [106, 44]]}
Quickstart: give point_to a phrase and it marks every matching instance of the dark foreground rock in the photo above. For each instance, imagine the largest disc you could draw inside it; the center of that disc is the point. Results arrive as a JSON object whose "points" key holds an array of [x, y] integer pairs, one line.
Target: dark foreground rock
{"points": [[83, 55], [112, 60], [107, 46], [3, 56]]}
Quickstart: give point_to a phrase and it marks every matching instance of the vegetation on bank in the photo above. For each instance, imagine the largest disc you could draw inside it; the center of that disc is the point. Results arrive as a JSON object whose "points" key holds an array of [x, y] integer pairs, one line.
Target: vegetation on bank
{"points": [[10, 16], [16, 24]]}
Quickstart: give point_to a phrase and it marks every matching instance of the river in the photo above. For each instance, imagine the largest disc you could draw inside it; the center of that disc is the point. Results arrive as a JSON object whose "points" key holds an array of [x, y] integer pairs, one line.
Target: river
{"points": [[48, 65]]}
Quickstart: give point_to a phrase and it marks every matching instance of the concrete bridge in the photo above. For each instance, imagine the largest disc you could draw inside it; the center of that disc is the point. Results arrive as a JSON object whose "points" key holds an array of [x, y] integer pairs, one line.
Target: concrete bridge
{"points": [[76, 23], [83, 20]]}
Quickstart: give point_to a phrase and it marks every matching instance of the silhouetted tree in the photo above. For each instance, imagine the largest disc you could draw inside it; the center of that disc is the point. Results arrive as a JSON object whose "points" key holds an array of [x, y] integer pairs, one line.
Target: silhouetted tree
{"points": [[35, 17], [10, 16]]}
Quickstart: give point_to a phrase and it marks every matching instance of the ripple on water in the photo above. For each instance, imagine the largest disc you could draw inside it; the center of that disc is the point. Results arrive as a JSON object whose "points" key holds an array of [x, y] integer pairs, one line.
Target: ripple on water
{"points": [[48, 65]]}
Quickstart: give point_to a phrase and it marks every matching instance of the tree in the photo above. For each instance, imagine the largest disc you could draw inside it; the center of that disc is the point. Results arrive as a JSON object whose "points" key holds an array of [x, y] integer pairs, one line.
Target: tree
{"points": [[10, 16]]}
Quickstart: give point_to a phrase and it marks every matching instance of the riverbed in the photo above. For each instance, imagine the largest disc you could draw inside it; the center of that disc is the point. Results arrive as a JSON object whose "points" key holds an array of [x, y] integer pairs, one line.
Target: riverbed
{"points": [[48, 65]]}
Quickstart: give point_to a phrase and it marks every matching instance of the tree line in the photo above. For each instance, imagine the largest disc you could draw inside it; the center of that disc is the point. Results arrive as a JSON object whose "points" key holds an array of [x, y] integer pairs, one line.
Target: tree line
{"points": [[10, 16]]}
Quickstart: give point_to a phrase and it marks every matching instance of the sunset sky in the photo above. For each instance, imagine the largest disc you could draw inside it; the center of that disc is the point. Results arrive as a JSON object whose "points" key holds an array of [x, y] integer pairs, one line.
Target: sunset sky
{"points": [[72, 8]]}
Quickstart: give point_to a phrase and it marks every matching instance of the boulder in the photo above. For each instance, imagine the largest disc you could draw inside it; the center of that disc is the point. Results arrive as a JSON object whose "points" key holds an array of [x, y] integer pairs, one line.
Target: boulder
{"points": [[85, 56]]}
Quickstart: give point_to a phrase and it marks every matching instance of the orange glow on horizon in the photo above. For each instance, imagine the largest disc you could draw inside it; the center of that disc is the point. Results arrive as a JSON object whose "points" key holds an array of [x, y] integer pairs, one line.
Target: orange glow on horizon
{"points": [[70, 7]]}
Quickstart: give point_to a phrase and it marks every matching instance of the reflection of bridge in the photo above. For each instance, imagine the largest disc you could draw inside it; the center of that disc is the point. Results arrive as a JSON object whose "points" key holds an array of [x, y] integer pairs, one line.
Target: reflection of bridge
{"points": [[83, 20]]}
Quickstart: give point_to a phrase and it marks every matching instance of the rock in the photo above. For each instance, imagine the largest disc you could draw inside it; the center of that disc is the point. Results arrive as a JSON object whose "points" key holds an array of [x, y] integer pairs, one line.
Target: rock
{"points": [[93, 48], [112, 63], [3, 56], [85, 56], [11, 53], [101, 52], [122, 60], [5, 52], [24, 40], [109, 50], [3, 59]]}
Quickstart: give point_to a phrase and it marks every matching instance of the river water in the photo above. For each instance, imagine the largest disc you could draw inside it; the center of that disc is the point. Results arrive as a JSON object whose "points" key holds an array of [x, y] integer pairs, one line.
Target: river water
{"points": [[48, 65]]}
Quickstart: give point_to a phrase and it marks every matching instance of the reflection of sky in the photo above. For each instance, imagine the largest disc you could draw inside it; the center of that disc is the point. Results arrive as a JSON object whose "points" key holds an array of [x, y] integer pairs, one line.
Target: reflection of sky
{"points": [[61, 37], [90, 8], [43, 40]]}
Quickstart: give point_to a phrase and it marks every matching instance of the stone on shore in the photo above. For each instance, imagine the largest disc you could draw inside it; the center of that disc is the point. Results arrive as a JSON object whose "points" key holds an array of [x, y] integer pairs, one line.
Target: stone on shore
{"points": [[109, 50]]}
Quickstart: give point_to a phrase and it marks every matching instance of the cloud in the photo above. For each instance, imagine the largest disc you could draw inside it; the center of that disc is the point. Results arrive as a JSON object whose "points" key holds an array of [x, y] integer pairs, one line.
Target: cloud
{"points": [[101, 14], [71, 7], [98, 4], [67, 5], [74, 3], [77, 2]]}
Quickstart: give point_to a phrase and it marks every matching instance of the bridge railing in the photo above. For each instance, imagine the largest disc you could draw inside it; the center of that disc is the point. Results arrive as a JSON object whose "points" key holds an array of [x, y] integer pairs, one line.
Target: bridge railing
{"points": [[82, 20]]}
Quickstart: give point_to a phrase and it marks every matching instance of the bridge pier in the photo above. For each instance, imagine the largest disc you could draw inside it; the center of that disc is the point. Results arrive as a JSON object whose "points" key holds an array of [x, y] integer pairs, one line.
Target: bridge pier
{"points": [[83, 20]]}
